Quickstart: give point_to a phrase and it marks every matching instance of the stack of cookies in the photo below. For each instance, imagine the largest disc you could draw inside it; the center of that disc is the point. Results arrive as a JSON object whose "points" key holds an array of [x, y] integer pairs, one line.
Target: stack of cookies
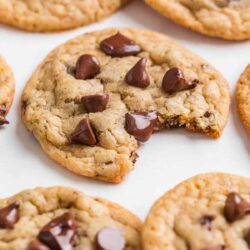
{"points": [[94, 100]]}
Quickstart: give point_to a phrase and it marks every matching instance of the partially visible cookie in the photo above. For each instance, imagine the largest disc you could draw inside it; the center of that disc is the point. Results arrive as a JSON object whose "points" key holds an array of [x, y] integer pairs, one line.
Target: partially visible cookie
{"points": [[228, 19], [7, 89], [95, 98], [60, 218], [206, 212], [50, 15], [243, 97]]}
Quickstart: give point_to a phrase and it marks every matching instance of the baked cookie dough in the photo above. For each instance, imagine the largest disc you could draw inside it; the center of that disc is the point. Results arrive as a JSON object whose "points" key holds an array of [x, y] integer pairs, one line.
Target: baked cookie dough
{"points": [[207, 212], [60, 218], [228, 19], [243, 97], [51, 15], [94, 98], [7, 89]]}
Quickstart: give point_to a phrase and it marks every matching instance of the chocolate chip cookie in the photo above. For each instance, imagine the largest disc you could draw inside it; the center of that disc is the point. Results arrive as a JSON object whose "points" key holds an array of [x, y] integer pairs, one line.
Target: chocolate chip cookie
{"points": [[243, 97], [60, 218], [50, 15], [207, 212], [7, 89], [95, 98], [228, 19]]}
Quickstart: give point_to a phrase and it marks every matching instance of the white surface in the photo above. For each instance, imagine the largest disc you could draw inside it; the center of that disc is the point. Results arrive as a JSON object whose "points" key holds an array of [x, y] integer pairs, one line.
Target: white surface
{"points": [[168, 158]]}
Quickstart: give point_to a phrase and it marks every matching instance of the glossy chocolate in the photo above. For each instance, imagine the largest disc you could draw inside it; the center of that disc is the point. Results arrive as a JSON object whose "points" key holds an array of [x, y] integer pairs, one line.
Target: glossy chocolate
{"points": [[119, 46], [138, 75], [84, 134], [141, 124]]}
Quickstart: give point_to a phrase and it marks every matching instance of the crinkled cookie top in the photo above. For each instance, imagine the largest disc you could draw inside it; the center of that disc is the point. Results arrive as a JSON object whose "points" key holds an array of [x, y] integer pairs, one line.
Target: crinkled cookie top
{"points": [[156, 85], [229, 19], [207, 212], [243, 97], [51, 15], [63, 218]]}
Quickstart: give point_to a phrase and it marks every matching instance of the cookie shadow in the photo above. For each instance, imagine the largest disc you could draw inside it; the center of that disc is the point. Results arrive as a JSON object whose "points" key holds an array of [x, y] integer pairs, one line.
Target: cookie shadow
{"points": [[153, 20]]}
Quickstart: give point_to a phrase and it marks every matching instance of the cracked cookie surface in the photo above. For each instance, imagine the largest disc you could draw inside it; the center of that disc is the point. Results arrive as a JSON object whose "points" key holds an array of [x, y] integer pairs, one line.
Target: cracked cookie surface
{"points": [[51, 15], [7, 89], [36, 208], [52, 102], [243, 97], [228, 19], [198, 214]]}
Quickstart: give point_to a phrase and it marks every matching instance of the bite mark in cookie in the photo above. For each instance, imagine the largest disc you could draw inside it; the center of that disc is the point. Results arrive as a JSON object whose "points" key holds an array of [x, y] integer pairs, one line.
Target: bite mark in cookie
{"points": [[126, 88]]}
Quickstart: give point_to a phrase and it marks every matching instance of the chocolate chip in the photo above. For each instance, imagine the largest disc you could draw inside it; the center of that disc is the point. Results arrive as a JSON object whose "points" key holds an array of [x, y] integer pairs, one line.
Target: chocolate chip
{"points": [[206, 221], [87, 67], [37, 245], [110, 239], [59, 233], [84, 134], [175, 81], [9, 215], [207, 114], [95, 103], [119, 46], [141, 124], [138, 75], [236, 207], [247, 238]]}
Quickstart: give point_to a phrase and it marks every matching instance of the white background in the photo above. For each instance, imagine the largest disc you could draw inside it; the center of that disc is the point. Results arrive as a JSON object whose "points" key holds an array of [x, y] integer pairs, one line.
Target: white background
{"points": [[168, 158]]}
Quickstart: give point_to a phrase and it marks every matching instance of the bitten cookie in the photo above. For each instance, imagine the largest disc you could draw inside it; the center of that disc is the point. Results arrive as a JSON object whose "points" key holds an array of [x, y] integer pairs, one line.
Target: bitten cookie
{"points": [[207, 212], [7, 89], [95, 97], [50, 15], [60, 218], [243, 97], [228, 19]]}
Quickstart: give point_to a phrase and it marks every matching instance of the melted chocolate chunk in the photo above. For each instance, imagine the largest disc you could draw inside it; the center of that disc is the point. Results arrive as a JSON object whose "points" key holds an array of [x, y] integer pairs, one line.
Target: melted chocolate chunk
{"points": [[9, 216], [141, 124], [206, 221], [119, 46], [174, 81], [110, 239], [138, 75], [247, 238], [95, 103], [59, 233], [84, 134], [37, 245], [236, 207], [87, 67]]}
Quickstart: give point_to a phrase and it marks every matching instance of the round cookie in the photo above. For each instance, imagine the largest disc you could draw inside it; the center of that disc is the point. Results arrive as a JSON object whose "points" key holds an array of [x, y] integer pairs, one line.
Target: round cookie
{"points": [[50, 15], [206, 212], [94, 98], [243, 97], [7, 89], [228, 19], [64, 218]]}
